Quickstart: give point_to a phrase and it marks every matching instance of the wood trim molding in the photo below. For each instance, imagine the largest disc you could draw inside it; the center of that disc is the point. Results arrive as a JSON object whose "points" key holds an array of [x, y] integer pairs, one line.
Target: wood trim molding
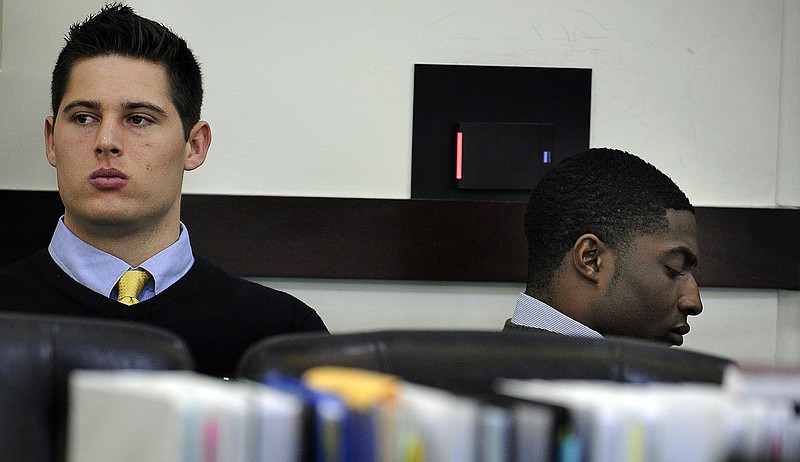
{"points": [[416, 239]]}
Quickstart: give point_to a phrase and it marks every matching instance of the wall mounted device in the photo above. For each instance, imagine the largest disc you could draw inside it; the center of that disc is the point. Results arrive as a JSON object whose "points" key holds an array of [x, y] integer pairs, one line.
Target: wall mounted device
{"points": [[513, 124], [502, 156]]}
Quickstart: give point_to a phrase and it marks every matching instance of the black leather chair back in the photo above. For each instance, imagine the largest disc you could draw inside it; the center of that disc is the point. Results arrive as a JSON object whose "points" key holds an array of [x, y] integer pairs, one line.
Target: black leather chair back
{"points": [[37, 353], [444, 358]]}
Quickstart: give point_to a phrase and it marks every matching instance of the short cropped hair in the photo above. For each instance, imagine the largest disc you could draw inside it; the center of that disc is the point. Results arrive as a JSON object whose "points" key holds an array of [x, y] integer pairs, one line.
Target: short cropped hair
{"points": [[610, 193], [118, 30]]}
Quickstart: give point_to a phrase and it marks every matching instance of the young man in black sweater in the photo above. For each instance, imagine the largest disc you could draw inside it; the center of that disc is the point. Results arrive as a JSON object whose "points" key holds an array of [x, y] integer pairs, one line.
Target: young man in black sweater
{"points": [[126, 99]]}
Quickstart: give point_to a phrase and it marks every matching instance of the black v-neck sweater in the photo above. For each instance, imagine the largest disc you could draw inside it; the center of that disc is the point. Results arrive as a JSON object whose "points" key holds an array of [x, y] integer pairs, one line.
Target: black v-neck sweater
{"points": [[218, 315]]}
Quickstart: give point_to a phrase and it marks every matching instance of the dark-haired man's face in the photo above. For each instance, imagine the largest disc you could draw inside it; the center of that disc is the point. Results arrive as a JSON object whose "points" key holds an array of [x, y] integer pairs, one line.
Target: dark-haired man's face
{"points": [[652, 290], [119, 148]]}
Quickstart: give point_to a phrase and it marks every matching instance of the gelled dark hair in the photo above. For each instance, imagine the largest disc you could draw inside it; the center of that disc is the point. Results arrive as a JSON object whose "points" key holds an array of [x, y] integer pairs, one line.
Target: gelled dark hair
{"points": [[118, 30], [610, 193]]}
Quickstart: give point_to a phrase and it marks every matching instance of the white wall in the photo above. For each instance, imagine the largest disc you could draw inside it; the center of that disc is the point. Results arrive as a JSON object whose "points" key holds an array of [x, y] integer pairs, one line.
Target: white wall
{"points": [[736, 323], [314, 98]]}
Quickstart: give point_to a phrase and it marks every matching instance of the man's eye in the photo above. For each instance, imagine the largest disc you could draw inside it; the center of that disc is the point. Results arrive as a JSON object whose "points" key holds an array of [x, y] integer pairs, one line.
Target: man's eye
{"points": [[138, 120], [82, 119], [673, 273]]}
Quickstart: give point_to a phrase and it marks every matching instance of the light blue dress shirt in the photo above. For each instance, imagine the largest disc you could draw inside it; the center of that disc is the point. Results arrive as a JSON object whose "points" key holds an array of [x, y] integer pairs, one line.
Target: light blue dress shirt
{"points": [[535, 313], [100, 271]]}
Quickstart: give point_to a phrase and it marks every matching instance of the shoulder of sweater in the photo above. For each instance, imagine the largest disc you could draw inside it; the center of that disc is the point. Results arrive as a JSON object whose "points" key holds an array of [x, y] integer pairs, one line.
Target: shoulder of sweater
{"points": [[38, 261], [240, 286]]}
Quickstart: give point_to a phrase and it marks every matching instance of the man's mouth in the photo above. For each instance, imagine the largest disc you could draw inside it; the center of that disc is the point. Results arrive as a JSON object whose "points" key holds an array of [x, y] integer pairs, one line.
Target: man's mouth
{"points": [[677, 333], [108, 178]]}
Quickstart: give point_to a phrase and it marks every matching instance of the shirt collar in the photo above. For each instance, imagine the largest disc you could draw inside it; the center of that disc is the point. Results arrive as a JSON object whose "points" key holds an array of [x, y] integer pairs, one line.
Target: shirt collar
{"points": [[532, 312], [100, 271]]}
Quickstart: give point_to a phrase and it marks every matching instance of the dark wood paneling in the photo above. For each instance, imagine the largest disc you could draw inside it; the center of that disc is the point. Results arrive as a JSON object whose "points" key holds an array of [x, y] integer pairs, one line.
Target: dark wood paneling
{"points": [[360, 238], [747, 247], [417, 239]]}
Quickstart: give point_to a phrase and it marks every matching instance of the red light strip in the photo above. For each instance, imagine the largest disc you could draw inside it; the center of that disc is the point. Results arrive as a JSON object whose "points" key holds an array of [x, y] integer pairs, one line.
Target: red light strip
{"points": [[459, 153]]}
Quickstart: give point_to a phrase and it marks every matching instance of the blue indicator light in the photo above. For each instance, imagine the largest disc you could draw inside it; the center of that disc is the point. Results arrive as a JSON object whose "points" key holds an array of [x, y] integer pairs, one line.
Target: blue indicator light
{"points": [[545, 157]]}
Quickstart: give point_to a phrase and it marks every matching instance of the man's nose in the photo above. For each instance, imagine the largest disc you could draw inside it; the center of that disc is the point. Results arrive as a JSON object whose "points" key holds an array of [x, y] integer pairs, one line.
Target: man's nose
{"points": [[689, 301], [108, 139]]}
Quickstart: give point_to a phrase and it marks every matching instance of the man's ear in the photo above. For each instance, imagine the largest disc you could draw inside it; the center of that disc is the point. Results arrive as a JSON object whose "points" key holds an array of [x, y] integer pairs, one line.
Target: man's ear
{"points": [[197, 145], [49, 140], [587, 256]]}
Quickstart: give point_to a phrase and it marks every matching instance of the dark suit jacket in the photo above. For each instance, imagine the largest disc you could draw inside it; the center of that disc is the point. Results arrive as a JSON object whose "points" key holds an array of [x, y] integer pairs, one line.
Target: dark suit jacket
{"points": [[513, 327]]}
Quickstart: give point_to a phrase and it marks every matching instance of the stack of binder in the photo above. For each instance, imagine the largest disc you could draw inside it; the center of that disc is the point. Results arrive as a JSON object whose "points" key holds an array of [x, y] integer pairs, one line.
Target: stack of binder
{"points": [[335, 414], [669, 422], [176, 416]]}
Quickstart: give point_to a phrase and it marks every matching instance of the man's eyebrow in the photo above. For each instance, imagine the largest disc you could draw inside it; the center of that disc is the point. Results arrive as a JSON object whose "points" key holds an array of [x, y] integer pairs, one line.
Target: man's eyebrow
{"points": [[689, 258], [143, 105], [81, 104], [132, 105]]}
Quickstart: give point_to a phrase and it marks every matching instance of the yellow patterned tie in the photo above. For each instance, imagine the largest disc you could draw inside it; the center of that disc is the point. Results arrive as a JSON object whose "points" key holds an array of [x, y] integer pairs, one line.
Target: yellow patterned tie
{"points": [[130, 285]]}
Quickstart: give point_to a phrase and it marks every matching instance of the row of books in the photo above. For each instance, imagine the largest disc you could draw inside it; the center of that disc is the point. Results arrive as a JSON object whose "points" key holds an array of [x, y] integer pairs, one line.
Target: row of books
{"points": [[336, 414]]}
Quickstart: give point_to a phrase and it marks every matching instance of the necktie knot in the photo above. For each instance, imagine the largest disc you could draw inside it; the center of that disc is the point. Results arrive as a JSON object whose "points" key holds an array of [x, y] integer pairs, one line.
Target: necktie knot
{"points": [[130, 285]]}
